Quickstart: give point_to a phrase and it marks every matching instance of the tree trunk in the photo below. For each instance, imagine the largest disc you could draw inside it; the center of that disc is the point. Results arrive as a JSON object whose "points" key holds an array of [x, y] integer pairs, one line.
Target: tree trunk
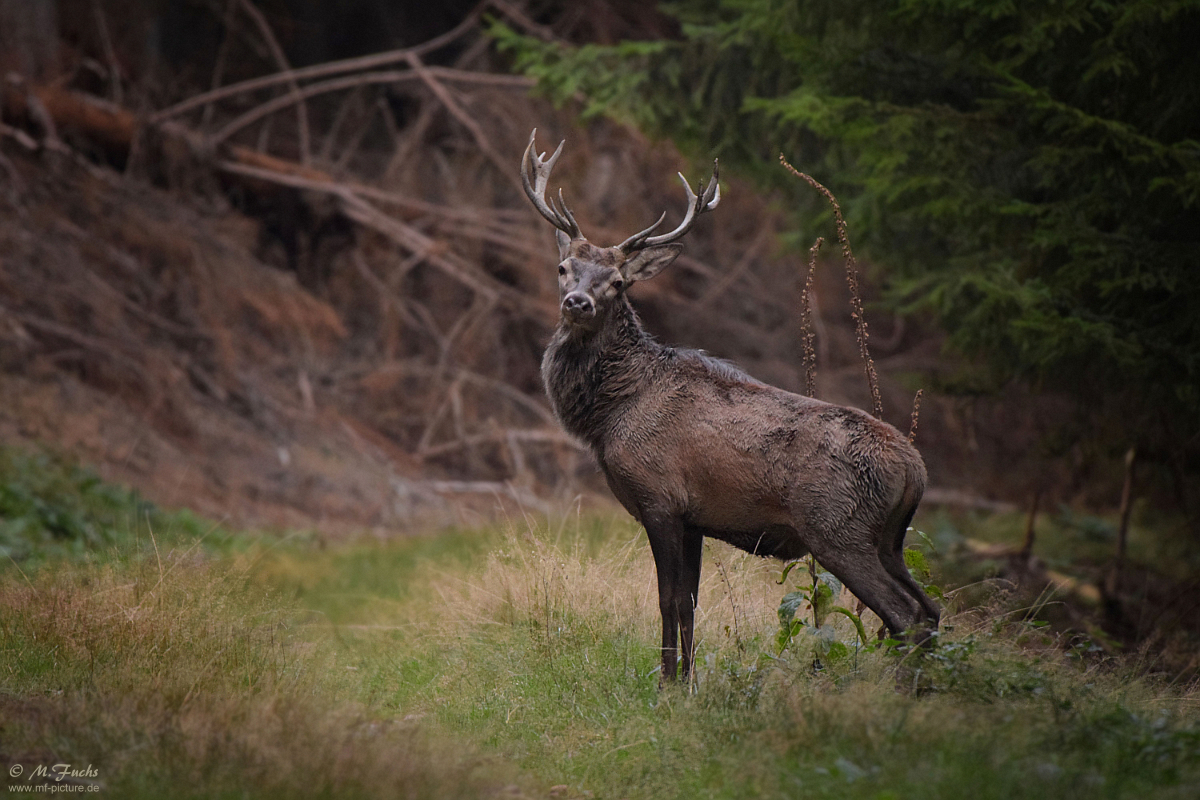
{"points": [[1118, 567]]}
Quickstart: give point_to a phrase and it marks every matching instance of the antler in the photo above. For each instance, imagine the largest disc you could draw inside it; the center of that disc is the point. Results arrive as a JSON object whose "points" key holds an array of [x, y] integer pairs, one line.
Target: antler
{"points": [[697, 205], [539, 168]]}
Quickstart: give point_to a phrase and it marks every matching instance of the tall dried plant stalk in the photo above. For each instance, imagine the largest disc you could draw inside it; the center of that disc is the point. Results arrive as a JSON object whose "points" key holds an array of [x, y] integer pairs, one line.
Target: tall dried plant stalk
{"points": [[856, 309], [916, 416], [808, 335]]}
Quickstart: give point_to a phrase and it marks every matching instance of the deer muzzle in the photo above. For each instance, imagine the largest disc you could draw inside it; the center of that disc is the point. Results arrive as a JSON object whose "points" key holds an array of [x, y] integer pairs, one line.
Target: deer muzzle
{"points": [[578, 307]]}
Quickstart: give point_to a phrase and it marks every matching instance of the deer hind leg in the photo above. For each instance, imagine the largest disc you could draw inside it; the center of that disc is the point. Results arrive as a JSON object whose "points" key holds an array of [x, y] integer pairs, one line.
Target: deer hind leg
{"points": [[891, 554], [863, 573], [893, 562]]}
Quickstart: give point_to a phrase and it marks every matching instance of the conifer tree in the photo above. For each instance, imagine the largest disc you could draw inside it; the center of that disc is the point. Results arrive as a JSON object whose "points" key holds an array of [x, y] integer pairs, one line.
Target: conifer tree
{"points": [[1027, 172]]}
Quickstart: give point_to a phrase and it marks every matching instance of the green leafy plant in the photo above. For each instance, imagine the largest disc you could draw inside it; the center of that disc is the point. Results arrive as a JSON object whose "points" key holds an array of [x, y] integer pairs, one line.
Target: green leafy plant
{"points": [[819, 598], [918, 567], [52, 506], [817, 601]]}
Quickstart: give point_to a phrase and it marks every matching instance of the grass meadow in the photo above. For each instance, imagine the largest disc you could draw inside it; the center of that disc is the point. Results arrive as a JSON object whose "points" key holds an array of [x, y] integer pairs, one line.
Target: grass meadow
{"points": [[175, 659]]}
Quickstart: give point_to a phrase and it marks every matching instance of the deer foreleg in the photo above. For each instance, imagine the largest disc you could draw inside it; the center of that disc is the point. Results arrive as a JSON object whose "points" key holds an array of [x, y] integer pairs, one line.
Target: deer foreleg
{"points": [[677, 554], [686, 591]]}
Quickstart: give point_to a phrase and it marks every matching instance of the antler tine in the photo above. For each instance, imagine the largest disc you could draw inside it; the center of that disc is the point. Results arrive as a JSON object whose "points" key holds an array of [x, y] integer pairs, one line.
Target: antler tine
{"points": [[707, 200], [635, 242], [540, 167], [566, 211]]}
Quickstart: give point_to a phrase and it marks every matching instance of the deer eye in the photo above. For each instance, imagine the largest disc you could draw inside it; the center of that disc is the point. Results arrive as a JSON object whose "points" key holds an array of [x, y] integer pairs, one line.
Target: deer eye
{"points": [[562, 269], [618, 284]]}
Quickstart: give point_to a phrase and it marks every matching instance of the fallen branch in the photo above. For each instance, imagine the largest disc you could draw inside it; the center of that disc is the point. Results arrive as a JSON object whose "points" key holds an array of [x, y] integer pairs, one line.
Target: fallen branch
{"points": [[354, 81], [115, 128], [321, 70], [359, 210], [499, 437], [464, 119], [467, 376], [957, 497], [285, 69]]}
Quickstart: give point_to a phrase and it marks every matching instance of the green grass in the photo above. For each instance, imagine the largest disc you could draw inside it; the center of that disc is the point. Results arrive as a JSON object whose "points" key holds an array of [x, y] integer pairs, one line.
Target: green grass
{"points": [[1076, 542], [543, 652], [507, 661]]}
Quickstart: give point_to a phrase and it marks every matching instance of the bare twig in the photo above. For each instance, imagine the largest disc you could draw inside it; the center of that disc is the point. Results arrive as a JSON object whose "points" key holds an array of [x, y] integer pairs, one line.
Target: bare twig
{"points": [[219, 61], [755, 287], [355, 81], [141, 313], [856, 309], [359, 210], [431, 424], [42, 116], [389, 119], [730, 277], [500, 437], [110, 54], [466, 324], [285, 69], [354, 98], [460, 114], [521, 18], [264, 135], [351, 148], [415, 136], [956, 497], [321, 70], [387, 298], [20, 137], [467, 376], [414, 241], [93, 344]]}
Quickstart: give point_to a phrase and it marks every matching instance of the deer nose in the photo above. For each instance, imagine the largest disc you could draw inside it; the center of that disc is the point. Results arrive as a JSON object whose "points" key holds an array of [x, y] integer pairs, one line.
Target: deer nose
{"points": [[578, 305]]}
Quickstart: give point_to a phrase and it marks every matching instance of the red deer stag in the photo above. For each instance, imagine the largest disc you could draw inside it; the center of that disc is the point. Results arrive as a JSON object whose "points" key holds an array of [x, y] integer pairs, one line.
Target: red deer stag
{"points": [[692, 446]]}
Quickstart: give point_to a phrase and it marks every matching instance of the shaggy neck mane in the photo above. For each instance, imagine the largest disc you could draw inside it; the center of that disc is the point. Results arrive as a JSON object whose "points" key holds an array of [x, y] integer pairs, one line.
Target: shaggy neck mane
{"points": [[591, 374]]}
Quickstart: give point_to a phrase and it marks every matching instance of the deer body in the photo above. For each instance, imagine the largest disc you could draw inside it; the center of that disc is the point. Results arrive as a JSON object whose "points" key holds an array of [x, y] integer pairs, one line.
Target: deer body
{"points": [[692, 446]]}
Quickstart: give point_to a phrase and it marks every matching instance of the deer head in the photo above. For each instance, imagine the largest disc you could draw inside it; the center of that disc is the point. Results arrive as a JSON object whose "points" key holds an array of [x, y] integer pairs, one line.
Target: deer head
{"points": [[590, 278]]}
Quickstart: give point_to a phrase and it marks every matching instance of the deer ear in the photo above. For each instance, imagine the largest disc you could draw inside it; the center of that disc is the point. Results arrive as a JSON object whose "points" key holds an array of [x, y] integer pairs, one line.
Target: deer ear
{"points": [[645, 264], [564, 242]]}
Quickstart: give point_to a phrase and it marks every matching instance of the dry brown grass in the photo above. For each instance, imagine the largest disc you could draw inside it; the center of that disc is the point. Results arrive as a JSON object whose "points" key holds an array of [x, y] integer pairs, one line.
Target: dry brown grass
{"points": [[195, 680], [550, 580]]}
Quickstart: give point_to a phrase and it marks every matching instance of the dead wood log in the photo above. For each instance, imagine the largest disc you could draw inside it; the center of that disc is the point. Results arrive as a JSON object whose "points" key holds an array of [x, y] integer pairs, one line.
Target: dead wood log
{"points": [[116, 129]]}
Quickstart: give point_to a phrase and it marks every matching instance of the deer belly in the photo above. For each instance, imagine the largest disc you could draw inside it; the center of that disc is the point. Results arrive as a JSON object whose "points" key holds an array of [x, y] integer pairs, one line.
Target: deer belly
{"points": [[740, 498]]}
